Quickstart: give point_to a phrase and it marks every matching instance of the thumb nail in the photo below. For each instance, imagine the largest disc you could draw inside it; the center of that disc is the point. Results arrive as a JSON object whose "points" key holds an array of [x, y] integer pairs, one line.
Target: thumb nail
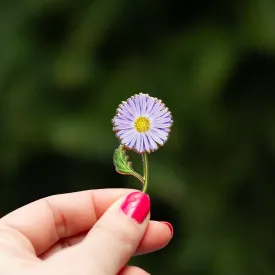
{"points": [[137, 206]]}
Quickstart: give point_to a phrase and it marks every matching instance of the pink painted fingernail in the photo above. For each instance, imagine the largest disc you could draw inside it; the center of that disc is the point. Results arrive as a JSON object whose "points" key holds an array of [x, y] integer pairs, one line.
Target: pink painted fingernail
{"points": [[170, 226], [137, 206]]}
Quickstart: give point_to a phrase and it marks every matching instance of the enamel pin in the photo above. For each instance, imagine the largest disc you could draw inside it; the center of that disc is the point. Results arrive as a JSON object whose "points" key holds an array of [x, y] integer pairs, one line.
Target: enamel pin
{"points": [[142, 123]]}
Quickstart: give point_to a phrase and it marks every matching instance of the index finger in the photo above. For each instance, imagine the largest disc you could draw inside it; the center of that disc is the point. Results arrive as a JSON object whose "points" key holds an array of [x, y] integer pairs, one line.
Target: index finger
{"points": [[45, 221]]}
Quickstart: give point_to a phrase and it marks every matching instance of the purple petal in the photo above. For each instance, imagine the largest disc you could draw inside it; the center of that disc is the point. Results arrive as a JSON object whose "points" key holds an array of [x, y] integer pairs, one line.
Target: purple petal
{"points": [[160, 133], [118, 121], [155, 137], [127, 137], [136, 102], [160, 113], [152, 143], [146, 143], [137, 145], [163, 120], [129, 109], [120, 133], [162, 125], [157, 108], [133, 141], [140, 101], [150, 103], [121, 116], [143, 101], [123, 127], [141, 148], [167, 115], [133, 106], [123, 110], [125, 114], [124, 133], [127, 140], [167, 130]]}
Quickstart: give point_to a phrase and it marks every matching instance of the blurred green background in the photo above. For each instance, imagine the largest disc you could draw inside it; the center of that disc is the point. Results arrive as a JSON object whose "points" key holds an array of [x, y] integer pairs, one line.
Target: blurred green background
{"points": [[66, 65]]}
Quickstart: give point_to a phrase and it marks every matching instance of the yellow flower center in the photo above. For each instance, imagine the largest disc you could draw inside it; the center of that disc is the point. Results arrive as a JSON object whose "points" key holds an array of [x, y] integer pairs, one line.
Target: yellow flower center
{"points": [[142, 124]]}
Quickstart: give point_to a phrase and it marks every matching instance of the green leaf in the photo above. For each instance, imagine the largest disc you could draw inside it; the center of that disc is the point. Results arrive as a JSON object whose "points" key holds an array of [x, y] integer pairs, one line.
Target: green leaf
{"points": [[123, 165]]}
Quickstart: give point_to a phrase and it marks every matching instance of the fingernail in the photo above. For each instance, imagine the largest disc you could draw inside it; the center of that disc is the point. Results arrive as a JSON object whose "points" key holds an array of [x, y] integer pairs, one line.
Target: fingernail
{"points": [[170, 226], [137, 206]]}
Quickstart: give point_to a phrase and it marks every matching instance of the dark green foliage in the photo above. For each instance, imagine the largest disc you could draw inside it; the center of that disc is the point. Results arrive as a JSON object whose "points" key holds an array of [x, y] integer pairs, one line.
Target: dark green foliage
{"points": [[66, 65]]}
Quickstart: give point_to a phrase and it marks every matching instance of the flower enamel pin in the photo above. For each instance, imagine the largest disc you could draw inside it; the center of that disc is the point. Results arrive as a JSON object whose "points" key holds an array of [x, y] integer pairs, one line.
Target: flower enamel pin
{"points": [[142, 124]]}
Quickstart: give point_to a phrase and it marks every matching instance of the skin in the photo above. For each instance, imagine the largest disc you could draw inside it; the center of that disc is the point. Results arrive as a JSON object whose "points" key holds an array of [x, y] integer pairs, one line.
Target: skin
{"points": [[78, 233]]}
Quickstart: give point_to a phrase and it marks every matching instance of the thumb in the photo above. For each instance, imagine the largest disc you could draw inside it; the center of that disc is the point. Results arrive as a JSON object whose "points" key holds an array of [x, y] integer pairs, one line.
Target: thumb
{"points": [[115, 237]]}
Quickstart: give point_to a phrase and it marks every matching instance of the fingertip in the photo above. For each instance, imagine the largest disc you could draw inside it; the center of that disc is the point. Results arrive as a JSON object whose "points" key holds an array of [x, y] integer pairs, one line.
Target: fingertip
{"points": [[156, 237], [133, 270], [170, 226]]}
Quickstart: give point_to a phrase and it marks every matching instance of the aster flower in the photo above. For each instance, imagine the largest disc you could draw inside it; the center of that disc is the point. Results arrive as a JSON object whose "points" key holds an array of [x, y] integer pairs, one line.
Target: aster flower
{"points": [[142, 124]]}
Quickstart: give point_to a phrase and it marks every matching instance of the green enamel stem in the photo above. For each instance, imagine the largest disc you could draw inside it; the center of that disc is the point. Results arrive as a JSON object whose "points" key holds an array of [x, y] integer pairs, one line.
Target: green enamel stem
{"points": [[139, 177], [145, 171]]}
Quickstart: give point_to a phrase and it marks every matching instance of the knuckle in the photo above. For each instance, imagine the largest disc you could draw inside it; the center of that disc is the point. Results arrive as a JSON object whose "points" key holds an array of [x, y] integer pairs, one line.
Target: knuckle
{"points": [[58, 218]]}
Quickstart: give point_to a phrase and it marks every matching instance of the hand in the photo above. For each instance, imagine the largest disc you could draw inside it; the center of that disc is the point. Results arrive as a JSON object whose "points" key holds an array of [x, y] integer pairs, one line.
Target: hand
{"points": [[88, 233]]}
